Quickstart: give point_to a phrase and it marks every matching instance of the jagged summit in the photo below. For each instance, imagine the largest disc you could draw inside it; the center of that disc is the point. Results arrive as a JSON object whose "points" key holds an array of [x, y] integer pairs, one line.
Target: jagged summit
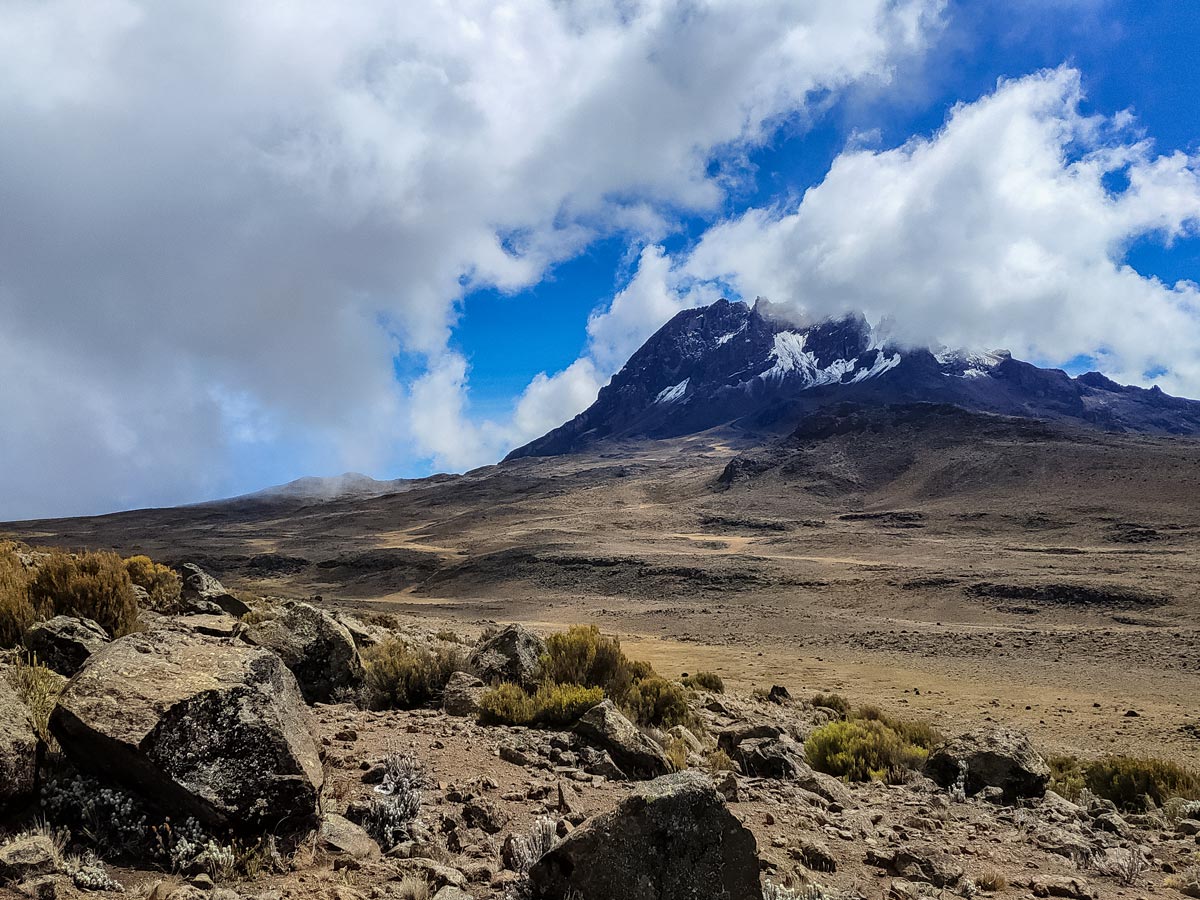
{"points": [[730, 363]]}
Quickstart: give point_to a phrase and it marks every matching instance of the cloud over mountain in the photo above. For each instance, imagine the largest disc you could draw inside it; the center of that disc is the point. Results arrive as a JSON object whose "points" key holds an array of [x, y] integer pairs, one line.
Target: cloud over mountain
{"points": [[222, 221]]}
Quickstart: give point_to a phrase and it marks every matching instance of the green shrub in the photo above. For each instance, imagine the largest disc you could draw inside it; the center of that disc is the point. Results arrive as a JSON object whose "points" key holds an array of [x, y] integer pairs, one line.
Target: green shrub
{"points": [[1126, 780], [705, 681], [1066, 776], [506, 704], [160, 582], [658, 702], [90, 585], [39, 688], [582, 655], [720, 761], [861, 750], [560, 705], [914, 731], [836, 702], [677, 754], [16, 608], [401, 677]]}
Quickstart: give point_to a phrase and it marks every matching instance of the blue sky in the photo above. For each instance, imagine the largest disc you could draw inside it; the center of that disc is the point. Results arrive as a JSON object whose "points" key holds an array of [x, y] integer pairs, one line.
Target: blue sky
{"points": [[1136, 55], [247, 243]]}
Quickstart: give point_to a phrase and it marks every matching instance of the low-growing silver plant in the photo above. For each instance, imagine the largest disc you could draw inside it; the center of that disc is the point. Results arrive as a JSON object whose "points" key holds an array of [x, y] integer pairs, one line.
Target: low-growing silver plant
{"points": [[397, 799], [529, 848]]}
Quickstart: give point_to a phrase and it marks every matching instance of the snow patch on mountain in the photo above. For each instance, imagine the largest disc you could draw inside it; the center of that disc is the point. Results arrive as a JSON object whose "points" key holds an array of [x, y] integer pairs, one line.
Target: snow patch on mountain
{"points": [[791, 358], [726, 338], [672, 393]]}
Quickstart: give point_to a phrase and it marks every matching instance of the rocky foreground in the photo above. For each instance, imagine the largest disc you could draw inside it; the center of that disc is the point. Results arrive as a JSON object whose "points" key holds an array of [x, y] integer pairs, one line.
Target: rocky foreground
{"points": [[224, 752]]}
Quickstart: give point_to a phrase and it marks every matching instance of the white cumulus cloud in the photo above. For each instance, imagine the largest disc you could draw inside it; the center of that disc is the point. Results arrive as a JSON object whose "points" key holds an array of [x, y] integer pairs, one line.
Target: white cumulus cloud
{"points": [[223, 220], [1007, 228]]}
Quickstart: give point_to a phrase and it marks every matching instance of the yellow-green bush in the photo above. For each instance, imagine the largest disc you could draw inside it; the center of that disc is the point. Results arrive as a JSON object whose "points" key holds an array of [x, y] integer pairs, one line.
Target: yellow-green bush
{"points": [[16, 609], [403, 677], [1066, 776], [1126, 780], [506, 704], [90, 585], [551, 706], [559, 705], [160, 582], [39, 688], [836, 702], [582, 655], [676, 752], [658, 702], [705, 681], [914, 731], [720, 761], [861, 750]]}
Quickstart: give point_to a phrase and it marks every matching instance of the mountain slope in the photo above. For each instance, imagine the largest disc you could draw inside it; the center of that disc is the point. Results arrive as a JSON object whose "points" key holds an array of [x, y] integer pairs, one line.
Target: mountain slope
{"points": [[729, 363]]}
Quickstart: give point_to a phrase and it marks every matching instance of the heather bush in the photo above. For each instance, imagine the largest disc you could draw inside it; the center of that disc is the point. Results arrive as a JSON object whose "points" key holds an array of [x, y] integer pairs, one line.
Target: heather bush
{"points": [[16, 607], [861, 750], [89, 585], [705, 681], [561, 705], [582, 655], [161, 583], [836, 702], [403, 677], [39, 688], [657, 702], [1127, 780], [505, 704], [914, 731]]}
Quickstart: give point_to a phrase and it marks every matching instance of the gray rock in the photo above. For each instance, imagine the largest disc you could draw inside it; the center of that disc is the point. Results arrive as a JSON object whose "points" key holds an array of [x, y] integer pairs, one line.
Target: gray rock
{"points": [[27, 857], [671, 839], [779, 757], [634, 753], [992, 757], [1068, 886], [338, 836], [64, 643], [462, 694], [450, 892], [511, 654], [213, 625], [201, 593], [315, 646], [19, 748], [919, 862], [201, 728], [364, 634]]}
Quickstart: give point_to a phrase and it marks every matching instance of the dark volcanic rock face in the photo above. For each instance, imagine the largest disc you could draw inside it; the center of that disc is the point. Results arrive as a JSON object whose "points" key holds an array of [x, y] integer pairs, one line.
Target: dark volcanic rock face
{"points": [[732, 364]]}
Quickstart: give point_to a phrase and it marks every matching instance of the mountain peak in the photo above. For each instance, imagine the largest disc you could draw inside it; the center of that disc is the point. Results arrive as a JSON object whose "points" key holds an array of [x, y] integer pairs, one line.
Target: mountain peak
{"points": [[764, 367]]}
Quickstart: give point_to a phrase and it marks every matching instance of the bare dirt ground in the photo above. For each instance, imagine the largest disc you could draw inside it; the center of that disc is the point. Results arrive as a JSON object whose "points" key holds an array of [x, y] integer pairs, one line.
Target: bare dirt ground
{"points": [[1046, 578]]}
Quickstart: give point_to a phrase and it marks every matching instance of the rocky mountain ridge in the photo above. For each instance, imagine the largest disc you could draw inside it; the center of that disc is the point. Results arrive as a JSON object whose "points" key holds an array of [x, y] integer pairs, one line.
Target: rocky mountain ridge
{"points": [[733, 364]]}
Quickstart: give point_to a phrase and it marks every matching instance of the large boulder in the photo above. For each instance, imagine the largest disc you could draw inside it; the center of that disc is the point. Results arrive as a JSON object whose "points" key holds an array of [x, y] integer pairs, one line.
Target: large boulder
{"points": [[26, 857], [198, 727], [316, 647], [18, 748], [990, 757], [779, 757], [64, 643], [634, 753], [201, 593], [513, 654], [671, 839]]}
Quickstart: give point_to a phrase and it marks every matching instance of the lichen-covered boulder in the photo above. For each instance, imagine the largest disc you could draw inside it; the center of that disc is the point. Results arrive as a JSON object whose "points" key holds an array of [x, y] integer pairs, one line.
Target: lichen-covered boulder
{"points": [[512, 654], [197, 727], [634, 753], [64, 643], [316, 647], [778, 757], [18, 748], [201, 593], [462, 694], [990, 757], [26, 857], [671, 839]]}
